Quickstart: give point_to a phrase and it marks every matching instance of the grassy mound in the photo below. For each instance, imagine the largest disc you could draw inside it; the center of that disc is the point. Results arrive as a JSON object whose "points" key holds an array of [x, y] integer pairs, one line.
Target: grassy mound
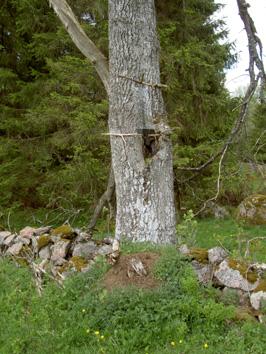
{"points": [[177, 317]]}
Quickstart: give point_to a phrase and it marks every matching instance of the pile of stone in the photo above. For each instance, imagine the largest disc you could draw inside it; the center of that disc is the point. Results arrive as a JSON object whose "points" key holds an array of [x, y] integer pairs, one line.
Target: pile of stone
{"points": [[214, 266], [60, 251]]}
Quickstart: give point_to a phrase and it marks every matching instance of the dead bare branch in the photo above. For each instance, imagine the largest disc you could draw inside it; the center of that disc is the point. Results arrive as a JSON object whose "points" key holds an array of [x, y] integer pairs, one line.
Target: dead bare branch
{"points": [[81, 40]]}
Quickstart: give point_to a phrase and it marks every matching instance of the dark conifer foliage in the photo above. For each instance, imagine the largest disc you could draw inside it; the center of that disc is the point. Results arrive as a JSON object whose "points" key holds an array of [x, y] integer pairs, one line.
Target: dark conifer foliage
{"points": [[53, 107]]}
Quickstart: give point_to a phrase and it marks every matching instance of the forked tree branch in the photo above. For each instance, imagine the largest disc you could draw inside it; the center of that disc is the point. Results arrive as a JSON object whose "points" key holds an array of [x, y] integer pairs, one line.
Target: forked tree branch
{"points": [[255, 61]]}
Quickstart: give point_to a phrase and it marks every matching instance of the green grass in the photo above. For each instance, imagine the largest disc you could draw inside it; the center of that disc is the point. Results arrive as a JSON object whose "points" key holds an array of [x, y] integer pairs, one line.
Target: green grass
{"points": [[212, 232], [178, 317]]}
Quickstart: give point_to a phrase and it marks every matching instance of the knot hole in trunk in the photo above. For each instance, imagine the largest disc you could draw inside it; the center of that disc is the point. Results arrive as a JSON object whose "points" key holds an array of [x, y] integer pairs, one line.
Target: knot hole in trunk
{"points": [[150, 142]]}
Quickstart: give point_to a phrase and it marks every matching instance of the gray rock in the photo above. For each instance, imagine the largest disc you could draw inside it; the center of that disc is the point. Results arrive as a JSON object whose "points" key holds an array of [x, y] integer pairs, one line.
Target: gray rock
{"points": [[253, 210], [27, 232], [216, 255], [25, 241], [204, 272], [15, 249], [105, 249], [232, 278], [45, 252], [184, 249], [59, 251], [9, 240], [256, 299], [86, 250], [3, 236], [42, 230]]}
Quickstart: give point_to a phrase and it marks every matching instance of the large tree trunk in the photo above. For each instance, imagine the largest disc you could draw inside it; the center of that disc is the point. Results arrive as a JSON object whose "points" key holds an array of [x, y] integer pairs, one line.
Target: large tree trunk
{"points": [[140, 141]]}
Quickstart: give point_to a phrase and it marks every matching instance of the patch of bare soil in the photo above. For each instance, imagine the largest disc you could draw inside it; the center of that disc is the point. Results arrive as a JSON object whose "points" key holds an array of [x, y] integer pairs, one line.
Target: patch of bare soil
{"points": [[122, 274]]}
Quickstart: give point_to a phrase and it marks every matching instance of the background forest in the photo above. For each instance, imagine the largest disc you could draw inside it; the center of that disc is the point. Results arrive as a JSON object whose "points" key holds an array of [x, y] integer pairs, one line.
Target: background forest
{"points": [[53, 108]]}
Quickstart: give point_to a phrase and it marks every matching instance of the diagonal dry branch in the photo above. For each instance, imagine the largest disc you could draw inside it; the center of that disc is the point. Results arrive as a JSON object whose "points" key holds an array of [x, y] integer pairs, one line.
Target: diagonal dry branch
{"points": [[91, 52], [81, 40]]}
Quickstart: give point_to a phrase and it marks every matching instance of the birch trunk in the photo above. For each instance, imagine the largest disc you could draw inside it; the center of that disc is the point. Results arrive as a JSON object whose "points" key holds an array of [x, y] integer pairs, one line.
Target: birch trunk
{"points": [[140, 137]]}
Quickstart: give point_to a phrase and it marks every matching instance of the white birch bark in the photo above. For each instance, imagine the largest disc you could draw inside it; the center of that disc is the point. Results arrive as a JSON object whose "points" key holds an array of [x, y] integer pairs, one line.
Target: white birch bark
{"points": [[144, 181]]}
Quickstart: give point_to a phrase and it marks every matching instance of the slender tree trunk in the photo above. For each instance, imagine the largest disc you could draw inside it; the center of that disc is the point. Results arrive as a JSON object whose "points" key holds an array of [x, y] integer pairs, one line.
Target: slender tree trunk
{"points": [[140, 141]]}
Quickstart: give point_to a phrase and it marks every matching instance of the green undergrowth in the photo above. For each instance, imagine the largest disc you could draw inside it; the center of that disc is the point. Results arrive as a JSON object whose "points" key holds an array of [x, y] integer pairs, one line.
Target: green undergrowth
{"points": [[177, 317]]}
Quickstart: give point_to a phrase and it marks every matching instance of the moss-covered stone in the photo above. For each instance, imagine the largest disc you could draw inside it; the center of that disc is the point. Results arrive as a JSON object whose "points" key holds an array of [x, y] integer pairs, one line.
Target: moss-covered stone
{"points": [[199, 254], [244, 314], [252, 210], [43, 241], [261, 286], [78, 262], [65, 232], [243, 268]]}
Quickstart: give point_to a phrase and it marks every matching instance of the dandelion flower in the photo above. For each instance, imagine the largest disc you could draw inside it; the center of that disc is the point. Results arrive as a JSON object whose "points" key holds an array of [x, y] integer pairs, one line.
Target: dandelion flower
{"points": [[172, 344], [97, 333], [205, 345], [102, 337], [88, 330], [180, 341], [83, 310]]}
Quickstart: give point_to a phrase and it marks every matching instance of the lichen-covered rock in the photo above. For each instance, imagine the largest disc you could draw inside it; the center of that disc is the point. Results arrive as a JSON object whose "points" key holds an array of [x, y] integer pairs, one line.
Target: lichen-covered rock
{"points": [[256, 299], [86, 250], [42, 230], [213, 209], [27, 232], [25, 241], [183, 249], [253, 210], [9, 240], [78, 262], [236, 275], [45, 252], [216, 255], [59, 251], [3, 236], [64, 231], [43, 241], [105, 250], [15, 249], [203, 271], [199, 254]]}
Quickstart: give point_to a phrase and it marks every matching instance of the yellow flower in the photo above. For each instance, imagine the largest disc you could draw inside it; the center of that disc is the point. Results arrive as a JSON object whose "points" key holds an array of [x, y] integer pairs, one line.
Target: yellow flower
{"points": [[180, 341], [205, 345], [102, 337], [172, 344], [97, 333], [83, 310], [88, 330]]}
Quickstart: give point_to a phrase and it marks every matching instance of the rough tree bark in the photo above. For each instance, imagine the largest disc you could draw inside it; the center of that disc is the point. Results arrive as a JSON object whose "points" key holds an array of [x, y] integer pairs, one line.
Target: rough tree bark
{"points": [[140, 137], [139, 134]]}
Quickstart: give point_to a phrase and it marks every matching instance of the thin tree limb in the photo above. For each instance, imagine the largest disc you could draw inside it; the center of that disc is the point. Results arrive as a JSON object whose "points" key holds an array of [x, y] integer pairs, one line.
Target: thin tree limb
{"points": [[91, 52], [81, 40], [106, 197], [255, 60]]}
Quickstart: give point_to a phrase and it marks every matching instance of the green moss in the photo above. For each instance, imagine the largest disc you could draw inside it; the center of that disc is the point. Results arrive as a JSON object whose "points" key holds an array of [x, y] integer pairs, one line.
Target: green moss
{"points": [[244, 314], [200, 254], [243, 268], [65, 232], [43, 241], [78, 262], [261, 286], [64, 267]]}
